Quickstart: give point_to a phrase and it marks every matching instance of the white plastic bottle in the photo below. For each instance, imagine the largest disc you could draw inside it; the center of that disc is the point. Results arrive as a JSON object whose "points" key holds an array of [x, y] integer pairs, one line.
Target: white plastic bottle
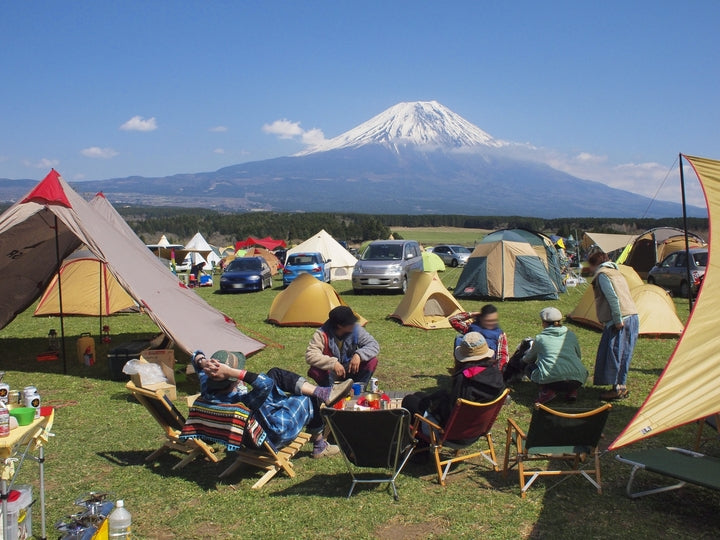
{"points": [[119, 522], [4, 420]]}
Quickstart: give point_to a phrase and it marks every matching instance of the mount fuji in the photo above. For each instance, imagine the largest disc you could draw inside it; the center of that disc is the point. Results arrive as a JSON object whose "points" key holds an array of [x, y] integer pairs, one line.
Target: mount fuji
{"points": [[414, 158]]}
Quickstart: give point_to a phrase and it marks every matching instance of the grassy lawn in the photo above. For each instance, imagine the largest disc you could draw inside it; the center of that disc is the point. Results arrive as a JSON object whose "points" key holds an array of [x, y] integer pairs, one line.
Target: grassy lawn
{"points": [[102, 438], [431, 236]]}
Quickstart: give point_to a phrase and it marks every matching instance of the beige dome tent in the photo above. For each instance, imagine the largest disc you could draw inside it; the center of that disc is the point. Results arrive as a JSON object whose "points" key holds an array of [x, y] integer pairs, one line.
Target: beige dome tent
{"points": [[341, 260], [427, 303], [88, 288], [306, 302], [656, 310]]}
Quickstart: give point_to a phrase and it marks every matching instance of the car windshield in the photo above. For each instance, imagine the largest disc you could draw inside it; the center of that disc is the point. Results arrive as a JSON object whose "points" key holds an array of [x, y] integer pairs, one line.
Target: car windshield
{"points": [[460, 249], [298, 260], [243, 265], [383, 252], [700, 258]]}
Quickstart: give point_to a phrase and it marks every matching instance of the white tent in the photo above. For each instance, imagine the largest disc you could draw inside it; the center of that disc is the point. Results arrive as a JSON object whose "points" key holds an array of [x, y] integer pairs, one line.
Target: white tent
{"points": [[39, 231], [199, 250], [341, 260]]}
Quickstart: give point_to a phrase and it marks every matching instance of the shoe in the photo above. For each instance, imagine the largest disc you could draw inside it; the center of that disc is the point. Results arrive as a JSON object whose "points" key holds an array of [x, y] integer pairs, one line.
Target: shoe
{"points": [[338, 392], [615, 394], [324, 449], [546, 396], [571, 397]]}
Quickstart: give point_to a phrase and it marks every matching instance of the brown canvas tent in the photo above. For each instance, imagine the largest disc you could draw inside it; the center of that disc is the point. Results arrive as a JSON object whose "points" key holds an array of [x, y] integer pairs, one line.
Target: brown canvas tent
{"points": [[39, 231], [427, 303], [656, 310], [306, 302], [652, 246], [269, 256]]}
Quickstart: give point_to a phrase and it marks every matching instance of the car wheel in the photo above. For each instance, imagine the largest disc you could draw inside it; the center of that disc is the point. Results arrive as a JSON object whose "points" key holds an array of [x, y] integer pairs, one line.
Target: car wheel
{"points": [[684, 289], [404, 284], [651, 280], [454, 263], [262, 284]]}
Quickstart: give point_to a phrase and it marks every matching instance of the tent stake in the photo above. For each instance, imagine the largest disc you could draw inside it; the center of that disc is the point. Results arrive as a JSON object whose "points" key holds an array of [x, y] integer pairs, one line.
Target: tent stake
{"points": [[688, 276], [59, 282]]}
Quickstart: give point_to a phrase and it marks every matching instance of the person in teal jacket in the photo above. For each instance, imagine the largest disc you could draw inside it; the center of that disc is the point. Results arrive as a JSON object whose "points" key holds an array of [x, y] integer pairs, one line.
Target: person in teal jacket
{"points": [[555, 361]]}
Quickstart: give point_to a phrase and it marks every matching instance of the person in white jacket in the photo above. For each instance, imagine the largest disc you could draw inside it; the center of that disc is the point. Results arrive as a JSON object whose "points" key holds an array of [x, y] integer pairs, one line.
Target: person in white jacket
{"points": [[342, 349]]}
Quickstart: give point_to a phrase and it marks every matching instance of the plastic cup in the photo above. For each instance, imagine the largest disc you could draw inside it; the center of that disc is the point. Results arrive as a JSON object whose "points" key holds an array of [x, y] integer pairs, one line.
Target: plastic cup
{"points": [[357, 389]]}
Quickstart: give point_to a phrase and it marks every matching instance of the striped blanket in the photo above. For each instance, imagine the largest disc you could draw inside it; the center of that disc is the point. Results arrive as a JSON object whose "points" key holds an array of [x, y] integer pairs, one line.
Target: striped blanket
{"points": [[230, 424]]}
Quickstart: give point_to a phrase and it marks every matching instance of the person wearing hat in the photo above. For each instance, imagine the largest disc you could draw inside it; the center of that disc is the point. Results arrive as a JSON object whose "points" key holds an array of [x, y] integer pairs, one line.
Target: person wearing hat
{"points": [[554, 361], [475, 378], [283, 401], [341, 349]]}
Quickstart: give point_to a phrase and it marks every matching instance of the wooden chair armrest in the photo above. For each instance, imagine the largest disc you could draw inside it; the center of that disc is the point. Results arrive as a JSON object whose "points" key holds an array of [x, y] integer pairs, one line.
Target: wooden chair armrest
{"points": [[428, 422], [512, 426]]}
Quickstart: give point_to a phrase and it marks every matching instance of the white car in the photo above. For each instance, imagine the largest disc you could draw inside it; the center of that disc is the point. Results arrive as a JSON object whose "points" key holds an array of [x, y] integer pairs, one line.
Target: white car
{"points": [[452, 255]]}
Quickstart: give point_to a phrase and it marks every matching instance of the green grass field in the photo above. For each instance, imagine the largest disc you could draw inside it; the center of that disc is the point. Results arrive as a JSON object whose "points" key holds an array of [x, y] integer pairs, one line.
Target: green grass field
{"points": [[431, 236], [102, 438]]}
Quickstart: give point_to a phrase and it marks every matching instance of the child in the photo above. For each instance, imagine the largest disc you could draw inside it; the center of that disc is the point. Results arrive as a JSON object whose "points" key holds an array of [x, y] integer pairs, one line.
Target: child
{"points": [[486, 322]]}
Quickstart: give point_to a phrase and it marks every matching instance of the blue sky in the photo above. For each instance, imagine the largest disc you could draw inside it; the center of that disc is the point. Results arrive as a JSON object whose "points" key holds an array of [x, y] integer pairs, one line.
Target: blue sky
{"points": [[611, 91]]}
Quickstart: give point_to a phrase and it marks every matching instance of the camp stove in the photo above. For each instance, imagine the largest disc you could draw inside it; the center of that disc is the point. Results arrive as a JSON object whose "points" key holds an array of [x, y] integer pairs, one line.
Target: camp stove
{"points": [[84, 524], [95, 502]]}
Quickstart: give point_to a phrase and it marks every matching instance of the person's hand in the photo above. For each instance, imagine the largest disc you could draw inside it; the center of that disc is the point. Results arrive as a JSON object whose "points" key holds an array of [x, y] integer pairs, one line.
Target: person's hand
{"points": [[619, 326], [339, 370], [215, 370], [355, 363]]}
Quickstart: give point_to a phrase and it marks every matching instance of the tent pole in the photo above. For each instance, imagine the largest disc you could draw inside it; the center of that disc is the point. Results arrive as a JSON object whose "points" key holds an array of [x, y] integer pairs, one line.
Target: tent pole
{"points": [[688, 276], [100, 288], [59, 282]]}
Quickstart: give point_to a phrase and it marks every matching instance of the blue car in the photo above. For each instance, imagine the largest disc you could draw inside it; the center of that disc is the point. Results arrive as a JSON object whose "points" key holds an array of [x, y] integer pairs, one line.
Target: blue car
{"points": [[312, 263], [246, 274]]}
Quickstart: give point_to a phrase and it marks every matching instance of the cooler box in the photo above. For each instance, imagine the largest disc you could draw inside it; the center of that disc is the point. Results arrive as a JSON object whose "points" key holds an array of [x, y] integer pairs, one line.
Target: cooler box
{"points": [[19, 513], [120, 355]]}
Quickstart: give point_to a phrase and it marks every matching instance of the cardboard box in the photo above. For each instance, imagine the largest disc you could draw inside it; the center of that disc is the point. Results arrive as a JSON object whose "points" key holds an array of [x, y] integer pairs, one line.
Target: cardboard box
{"points": [[165, 358]]}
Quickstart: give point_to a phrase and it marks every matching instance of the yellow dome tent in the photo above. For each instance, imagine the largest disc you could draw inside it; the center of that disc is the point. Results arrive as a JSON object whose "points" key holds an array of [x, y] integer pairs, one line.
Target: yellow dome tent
{"points": [[88, 288], [427, 303], [656, 310], [306, 302]]}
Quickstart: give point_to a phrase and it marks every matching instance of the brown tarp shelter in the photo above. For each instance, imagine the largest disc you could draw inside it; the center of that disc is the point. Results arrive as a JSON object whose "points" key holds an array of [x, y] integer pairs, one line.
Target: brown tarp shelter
{"points": [[427, 303], [652, 246], [607, 242], [269, 256], [42, 229], [688, 388], [306, 302]]}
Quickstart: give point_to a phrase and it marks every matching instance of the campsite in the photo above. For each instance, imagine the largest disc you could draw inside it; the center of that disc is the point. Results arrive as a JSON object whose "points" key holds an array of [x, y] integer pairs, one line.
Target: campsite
{"points": [[102, 436]]}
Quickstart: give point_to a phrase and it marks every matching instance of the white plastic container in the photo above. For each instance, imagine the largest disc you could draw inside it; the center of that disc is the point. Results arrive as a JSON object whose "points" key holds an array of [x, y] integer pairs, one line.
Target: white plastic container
{"points": [[119, 522], [20, 515]]}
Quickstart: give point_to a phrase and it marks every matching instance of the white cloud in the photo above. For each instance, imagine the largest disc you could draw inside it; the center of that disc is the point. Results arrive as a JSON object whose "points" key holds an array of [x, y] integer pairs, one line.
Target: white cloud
{"points": [[218, 129], [79, 176], [313, 137], [284, 129], [219, 151], [138, 123], [44, 163], [99, 153]]}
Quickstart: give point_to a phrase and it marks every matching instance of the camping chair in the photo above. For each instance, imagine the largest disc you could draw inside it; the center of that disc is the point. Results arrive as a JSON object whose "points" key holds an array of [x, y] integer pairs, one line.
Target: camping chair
{"points": [[568, 435], [468, 422], [234, 426], [172, 421], [372, 439], [713, 421], [684, 465]]}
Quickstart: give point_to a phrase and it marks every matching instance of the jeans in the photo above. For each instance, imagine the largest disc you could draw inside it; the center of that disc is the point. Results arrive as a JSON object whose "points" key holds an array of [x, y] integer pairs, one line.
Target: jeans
{"points": [[327, 378], [291, 383]]}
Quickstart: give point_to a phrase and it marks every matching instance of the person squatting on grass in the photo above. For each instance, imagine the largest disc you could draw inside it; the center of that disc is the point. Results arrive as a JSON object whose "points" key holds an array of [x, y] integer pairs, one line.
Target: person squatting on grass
{"points": [[486, 322], [617, 312], [341, 348], [475, 377], [283, 401], [554, 360]]}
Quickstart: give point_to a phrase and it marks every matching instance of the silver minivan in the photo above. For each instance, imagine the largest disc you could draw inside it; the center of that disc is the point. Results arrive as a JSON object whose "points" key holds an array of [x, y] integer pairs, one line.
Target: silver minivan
{"points": [[386, 264]]}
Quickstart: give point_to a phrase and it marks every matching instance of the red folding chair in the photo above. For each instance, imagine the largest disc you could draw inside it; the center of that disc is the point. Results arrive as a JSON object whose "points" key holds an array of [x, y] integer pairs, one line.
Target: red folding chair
{"points": [[468, 422]]}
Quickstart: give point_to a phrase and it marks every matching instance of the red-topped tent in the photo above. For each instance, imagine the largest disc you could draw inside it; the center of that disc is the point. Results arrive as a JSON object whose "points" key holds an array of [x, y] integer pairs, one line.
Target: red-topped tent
{"points": [[267, 243]]}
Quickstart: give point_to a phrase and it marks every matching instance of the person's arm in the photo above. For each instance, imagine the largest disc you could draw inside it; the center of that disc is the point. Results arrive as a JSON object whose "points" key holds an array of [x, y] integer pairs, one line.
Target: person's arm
{"points": [[530, 357], [612, 298], [502, 352], [261, 383], [314, 354], [368, 347]]}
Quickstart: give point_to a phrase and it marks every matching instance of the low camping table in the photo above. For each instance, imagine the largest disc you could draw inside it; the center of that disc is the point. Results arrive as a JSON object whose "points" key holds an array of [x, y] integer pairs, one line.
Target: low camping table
{"points": [[684, 465], [15, 448]]}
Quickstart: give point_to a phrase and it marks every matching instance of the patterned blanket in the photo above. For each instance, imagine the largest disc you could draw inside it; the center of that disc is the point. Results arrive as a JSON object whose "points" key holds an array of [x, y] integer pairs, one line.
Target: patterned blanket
{"points": [[230, 424]]}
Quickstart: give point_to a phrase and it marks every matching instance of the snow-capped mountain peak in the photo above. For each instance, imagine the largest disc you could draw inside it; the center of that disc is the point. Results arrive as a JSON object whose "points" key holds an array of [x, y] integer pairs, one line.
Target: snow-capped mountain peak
{"points": [[417, 123]]}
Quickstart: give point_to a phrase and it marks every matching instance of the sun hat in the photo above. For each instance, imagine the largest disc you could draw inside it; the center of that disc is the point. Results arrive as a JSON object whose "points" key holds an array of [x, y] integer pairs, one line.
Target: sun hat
{"points": [[342, 316], [551, 315], [235, 360], [472, 348]]}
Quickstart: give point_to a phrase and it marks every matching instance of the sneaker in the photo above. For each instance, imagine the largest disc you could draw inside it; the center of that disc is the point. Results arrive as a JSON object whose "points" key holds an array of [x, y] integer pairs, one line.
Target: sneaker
{"points": [[338, 392], [324, 449], [615, 394], [546, 396], [571, 397]]}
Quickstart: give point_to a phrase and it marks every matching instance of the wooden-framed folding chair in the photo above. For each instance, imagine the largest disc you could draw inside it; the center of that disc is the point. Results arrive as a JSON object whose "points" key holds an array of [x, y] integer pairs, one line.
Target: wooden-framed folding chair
{"points": [[171, 421], [567, 435], [468, 422], [711, 422], [377, 439], [234, 426]]}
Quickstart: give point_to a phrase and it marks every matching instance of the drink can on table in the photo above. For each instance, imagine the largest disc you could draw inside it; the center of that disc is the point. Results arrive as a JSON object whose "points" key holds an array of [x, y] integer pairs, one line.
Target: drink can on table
{"points": [[373, 385], [4, 392]]}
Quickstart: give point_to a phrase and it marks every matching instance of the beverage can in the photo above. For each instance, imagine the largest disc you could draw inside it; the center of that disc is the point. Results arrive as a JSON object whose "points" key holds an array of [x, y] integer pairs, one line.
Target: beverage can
{"points": [[29, 390], [373, 385], [4, 392], [33, 400]]}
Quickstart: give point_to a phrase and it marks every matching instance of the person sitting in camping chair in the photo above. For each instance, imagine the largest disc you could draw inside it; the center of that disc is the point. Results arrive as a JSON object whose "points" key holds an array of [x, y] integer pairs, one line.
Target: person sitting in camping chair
{"points": [[195, 273], [283, 401]]}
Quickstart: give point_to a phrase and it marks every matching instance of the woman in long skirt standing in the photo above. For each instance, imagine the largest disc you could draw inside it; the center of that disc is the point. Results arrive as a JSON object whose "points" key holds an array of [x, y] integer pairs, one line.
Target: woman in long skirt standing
{"points": [[617, 312]]}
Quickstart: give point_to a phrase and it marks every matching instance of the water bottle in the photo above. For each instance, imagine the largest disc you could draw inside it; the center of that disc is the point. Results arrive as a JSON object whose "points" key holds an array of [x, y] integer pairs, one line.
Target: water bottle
{"points": [[119, 522], [4, 420]]}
